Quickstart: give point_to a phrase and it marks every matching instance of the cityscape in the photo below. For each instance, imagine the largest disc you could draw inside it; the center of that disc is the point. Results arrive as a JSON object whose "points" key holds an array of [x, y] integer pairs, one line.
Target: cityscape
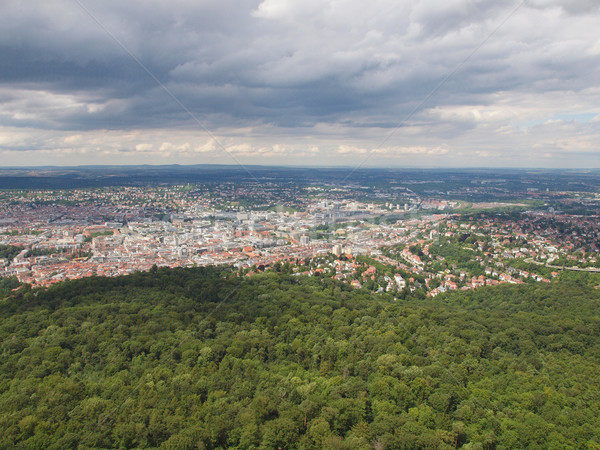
{"points": [[426, 242]]}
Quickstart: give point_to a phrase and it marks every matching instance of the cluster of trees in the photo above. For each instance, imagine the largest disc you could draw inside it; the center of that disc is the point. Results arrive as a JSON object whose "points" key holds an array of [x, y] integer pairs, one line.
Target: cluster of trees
{"points": [[7, 284], [459, 252], [193, 358], [63, 252], [8, 252]]}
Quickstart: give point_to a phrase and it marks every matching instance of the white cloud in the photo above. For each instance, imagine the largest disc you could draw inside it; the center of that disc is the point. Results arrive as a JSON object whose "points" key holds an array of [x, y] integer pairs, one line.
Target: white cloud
{"points": [[144, 147]]}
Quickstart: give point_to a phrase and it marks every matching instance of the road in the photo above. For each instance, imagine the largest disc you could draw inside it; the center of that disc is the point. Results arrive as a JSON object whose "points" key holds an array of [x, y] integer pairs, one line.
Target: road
{"points": [[550, 266]]}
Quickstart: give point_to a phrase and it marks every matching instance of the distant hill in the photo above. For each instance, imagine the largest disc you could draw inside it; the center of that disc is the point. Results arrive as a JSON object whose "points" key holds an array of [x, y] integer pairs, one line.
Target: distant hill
{"points": [[421, 180], [201, 358]]}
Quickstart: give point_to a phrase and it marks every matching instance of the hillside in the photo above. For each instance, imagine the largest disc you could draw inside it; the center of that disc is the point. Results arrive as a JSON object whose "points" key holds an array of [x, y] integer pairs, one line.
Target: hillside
{"points": [[199, 358]]}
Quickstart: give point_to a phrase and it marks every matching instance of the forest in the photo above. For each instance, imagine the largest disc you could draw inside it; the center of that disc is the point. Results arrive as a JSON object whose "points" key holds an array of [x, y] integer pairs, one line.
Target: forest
{"points": [[205, 358]]}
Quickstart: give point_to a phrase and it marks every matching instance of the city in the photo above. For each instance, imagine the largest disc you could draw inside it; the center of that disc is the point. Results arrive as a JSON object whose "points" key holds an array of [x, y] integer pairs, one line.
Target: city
{"points": [[385, 239]]}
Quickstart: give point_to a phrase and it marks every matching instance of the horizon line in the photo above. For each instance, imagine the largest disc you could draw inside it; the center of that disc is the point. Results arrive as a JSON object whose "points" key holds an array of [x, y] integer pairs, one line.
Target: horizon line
{"points": [[444, 167]]}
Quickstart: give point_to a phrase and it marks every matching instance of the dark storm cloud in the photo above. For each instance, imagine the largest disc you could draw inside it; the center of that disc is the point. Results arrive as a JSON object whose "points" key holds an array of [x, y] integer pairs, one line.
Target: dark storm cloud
{"points": [[221, 60]]}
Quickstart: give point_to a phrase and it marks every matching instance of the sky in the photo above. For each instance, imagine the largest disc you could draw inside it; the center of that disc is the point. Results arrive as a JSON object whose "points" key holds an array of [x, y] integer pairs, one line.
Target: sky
{"points": [[384, 83]]}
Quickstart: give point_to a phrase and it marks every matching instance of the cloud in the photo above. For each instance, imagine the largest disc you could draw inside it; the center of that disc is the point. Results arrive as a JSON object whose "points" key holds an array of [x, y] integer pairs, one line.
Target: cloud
{"points": [[275, 78]]}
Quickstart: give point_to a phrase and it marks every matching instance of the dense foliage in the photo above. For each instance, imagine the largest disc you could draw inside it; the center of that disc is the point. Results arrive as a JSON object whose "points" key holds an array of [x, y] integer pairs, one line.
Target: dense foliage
{"points": [[8, 252], [192, 358]]}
